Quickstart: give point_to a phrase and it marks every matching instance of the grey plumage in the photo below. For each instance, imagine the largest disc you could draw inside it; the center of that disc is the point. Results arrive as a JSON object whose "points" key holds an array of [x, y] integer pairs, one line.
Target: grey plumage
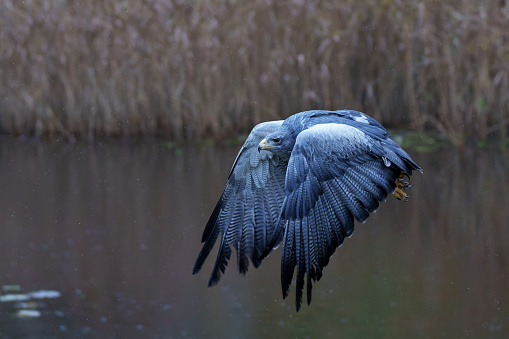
{"points": [[302, 181]]}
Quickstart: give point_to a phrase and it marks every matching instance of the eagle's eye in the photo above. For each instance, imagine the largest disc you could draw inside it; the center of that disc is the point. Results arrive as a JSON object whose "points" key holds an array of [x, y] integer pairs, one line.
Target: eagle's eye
{"points": [[276, 140]]}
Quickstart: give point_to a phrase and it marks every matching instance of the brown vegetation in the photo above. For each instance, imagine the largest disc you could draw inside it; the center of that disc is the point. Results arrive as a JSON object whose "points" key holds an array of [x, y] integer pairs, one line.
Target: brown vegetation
{"points": [[205, 69]]}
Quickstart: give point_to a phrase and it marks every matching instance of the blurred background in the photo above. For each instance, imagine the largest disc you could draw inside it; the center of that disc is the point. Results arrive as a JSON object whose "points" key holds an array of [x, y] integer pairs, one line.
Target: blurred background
{"points": [[202, 69], [119, 123]]}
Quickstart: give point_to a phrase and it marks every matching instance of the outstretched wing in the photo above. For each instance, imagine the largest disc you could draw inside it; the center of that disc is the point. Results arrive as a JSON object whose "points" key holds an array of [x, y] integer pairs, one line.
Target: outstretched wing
{"points": [[336, 173], [249, 207]]}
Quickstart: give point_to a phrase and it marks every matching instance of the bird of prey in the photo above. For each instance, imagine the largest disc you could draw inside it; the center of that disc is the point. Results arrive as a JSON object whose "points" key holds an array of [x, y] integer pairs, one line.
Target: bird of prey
{"points": [[302, 182]]}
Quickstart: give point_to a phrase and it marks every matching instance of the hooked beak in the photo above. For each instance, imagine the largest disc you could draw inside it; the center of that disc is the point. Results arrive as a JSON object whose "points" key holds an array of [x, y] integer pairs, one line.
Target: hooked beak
{"points": [[262, 145]]}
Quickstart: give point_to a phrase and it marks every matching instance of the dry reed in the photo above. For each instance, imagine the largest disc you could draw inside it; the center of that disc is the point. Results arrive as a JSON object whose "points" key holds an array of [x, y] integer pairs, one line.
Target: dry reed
{"points": [[205, 69]]}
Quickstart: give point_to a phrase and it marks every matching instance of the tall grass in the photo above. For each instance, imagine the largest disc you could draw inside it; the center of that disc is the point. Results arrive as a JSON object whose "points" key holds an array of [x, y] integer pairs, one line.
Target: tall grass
{"points": [[205, 69]]}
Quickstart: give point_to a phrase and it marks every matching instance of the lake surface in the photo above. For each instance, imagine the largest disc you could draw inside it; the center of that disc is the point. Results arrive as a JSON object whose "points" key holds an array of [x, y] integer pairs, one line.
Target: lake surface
{"points": [[112, 230]]}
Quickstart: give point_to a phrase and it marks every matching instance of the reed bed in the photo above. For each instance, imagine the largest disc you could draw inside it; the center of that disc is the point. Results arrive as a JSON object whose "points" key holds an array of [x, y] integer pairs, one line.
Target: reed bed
{"points": [[189, 70]]}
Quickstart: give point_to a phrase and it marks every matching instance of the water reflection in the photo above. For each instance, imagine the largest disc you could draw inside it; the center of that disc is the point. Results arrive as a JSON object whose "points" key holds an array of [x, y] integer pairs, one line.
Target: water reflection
{"points": [[115, 228]]}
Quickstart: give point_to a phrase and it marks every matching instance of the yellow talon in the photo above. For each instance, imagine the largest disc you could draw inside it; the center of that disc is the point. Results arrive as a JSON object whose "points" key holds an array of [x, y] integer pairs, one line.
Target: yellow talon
{"points": [[401, 184]]}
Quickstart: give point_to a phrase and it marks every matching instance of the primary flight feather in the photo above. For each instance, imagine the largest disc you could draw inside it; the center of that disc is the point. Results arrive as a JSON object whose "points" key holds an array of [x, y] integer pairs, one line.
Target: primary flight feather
{"points": [[303, 181]]}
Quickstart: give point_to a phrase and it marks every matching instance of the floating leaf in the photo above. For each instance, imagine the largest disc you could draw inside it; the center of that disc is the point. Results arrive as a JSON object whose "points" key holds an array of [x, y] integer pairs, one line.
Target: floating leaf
{"points": [[11, 288], [45, 294], [27, 304], [13, 297], [28, 314]]}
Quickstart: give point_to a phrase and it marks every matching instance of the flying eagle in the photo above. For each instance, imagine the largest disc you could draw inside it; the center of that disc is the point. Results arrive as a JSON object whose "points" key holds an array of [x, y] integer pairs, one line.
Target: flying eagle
{"points": [[303, 181]]}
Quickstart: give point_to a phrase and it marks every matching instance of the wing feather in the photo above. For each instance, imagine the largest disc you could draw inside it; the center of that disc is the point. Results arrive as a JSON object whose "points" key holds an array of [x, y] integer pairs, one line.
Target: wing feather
{"points": [[288, 260], [336, 174], [300, 252], [248, 210]]}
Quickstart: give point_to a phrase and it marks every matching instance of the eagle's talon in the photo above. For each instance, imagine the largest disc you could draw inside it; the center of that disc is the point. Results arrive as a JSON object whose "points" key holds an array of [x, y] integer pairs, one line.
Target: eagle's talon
{"points": [[399, 192]]}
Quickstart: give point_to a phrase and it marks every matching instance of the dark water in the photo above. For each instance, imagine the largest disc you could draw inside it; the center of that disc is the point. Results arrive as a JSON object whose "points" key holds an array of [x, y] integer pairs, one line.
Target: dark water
{"points": [[115, 227]]}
